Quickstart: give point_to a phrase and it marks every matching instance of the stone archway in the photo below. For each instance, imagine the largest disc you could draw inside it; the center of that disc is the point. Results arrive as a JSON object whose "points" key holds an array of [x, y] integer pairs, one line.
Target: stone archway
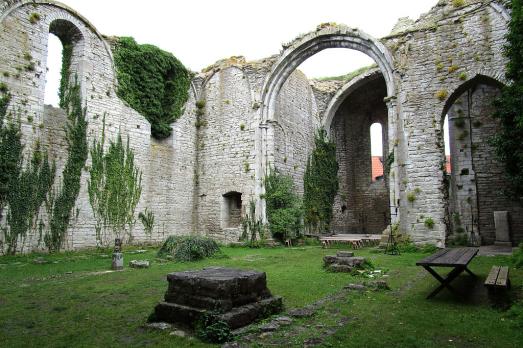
{"points": [[295, 53]]}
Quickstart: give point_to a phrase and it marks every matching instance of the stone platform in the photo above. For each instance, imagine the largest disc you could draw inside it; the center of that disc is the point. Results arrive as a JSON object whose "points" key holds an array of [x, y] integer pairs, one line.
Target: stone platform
{"points": [[240, 296], [344, 261]]}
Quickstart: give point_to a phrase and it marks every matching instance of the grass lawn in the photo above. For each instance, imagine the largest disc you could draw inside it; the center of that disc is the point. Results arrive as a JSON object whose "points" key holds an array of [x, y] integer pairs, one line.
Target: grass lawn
{"points": [[73, 302]]}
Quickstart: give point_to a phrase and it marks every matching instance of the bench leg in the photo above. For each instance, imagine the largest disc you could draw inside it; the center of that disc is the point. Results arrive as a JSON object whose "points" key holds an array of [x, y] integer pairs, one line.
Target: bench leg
{"points": [[470, 272]]}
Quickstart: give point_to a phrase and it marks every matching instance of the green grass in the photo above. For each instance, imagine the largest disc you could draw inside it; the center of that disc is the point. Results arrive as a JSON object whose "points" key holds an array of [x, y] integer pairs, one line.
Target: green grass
{"points": [[72, 302], [349, 76]]}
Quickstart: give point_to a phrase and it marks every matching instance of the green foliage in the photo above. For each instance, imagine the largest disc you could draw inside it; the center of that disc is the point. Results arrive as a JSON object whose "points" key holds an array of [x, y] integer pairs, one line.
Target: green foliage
{"points": [[459, 122], [65, 73], [389, 161], [34, 17], [153, 82], [23, 187], [320, 184], [441, 95], [252, 228], [147, 219], [458, 3], [188, 248], [516, 314], [63, 202], [459, 239], [509, 107], [429, 222], [114, 187], [23, 190], [517, 257], [411, 196], [211, 329], [283, 207], [349, 76]]}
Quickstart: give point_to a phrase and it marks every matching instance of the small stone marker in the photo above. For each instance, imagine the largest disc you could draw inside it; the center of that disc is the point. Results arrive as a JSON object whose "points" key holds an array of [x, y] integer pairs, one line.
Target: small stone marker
{"points": [[343, 253], [117, 261], [139, 264], [501, 221]]}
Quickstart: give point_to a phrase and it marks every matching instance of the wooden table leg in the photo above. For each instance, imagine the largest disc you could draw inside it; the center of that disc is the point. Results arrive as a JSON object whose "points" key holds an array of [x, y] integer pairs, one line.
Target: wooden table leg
{"points": [[445, 282], [470, 272]]}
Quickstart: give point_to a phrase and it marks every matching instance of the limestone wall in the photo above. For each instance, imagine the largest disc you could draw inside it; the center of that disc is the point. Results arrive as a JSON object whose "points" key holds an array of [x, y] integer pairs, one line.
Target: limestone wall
{"points": [[442, 51], [264, 114], [361, 204], [295, 125], [166, 166]]}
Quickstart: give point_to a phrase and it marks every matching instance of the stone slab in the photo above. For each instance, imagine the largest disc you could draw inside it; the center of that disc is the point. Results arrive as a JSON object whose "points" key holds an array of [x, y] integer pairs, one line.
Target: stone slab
{"points": [[216, 288], [501, 222], [236, 318]]}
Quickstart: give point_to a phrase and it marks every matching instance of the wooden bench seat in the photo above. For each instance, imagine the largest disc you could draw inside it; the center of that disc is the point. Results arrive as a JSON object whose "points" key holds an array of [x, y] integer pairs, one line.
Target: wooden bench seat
{"points": [[498, 277]]}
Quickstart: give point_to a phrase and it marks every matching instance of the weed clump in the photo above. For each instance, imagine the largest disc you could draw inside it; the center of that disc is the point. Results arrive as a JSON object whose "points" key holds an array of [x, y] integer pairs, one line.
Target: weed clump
{"points": [[189, 248]]}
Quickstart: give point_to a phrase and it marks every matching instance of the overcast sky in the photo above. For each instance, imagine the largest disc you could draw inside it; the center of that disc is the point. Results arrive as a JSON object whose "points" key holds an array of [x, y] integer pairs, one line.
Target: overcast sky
{"points": [[200, 32]]}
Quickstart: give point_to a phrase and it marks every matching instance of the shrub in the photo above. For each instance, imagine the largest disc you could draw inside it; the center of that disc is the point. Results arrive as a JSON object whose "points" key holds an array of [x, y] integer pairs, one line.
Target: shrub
{"points": [[517, 257], [188, 248], [283, 207], [411, 197], [516, 314], [211, 329], [429, 223], [442, 95], [459, 239]]}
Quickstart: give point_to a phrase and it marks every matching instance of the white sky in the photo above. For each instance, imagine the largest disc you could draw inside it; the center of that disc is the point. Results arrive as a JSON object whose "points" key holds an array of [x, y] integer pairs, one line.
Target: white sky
{"points": [[200, 32]]}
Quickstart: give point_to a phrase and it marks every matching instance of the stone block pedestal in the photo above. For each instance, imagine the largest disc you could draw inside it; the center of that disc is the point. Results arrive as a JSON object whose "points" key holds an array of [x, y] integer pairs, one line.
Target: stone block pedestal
{"points": [[239, 296]]}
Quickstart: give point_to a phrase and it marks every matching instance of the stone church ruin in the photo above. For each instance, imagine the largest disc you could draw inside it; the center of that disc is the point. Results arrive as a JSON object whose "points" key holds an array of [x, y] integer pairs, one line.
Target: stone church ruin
{"points": [[242, 118]]}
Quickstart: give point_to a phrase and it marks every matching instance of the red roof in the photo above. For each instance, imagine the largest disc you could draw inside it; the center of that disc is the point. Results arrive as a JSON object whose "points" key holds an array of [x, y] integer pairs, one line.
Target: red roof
{"points": [[377, 167]]}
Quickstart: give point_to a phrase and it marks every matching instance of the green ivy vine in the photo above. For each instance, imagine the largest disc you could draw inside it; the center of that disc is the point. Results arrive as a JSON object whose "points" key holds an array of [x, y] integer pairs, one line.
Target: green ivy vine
{"points": [[153, 82], [24, 187], [283, 206], [114, 188], [67, 54], [509, 106], [320, 184], [63, 202]]}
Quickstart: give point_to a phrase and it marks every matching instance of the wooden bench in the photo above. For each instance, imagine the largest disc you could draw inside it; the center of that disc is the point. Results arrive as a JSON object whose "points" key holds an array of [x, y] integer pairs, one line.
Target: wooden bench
{"points": [[498, 278]]}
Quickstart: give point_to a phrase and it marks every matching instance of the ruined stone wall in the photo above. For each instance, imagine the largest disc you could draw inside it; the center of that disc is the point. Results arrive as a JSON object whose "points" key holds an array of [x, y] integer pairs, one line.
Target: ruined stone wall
{"points": [[166, 166], [225, 151], [361, 203], [478, 184], [296, 124], [443, 50]]}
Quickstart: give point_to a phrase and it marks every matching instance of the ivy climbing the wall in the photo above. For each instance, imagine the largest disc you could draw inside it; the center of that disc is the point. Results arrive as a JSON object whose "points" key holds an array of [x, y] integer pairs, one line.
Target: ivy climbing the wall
{"points": [[284, 210], [320, 184], [63, 202], [508, 142], [65, 73], [24, 185], [153, 82], [115, 187]]}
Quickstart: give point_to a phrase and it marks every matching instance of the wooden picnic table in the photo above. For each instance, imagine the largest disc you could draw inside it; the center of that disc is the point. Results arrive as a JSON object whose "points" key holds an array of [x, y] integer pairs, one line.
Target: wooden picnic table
{"points": [[458, 259]]}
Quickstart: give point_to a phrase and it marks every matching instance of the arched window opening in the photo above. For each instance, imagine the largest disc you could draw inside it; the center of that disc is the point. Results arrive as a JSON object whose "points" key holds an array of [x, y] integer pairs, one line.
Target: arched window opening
{"points": [[232, 209], [376, 145], [63, 54], [53, 73], [446, 139]]}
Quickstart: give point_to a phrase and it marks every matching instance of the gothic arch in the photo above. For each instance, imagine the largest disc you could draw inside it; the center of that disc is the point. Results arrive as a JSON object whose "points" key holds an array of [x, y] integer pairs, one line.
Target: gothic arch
{"points": [[299, 50]]}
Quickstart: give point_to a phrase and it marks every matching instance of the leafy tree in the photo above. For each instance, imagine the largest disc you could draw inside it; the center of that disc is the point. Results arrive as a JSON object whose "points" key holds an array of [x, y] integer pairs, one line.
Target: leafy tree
{"points": [[509, 141]]}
